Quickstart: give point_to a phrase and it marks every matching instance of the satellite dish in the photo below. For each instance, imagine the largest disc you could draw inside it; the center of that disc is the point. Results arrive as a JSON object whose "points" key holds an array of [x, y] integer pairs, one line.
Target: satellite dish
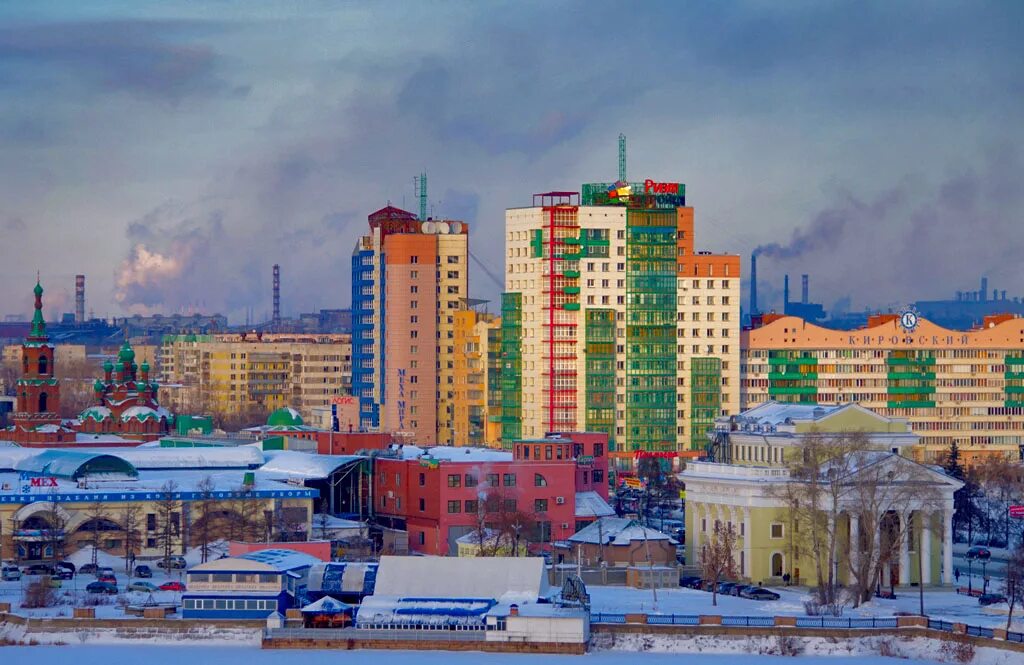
{"points": [[442, 227], [456, 227], [427, 227]]}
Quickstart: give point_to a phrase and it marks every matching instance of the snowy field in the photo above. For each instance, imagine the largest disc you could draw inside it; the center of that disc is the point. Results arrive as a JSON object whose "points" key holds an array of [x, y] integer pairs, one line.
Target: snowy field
{"points": [[171, 655], [945, 605]]}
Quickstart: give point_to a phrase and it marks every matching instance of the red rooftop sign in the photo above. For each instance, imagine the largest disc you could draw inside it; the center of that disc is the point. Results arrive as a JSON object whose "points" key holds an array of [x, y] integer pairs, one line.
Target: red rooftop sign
{"points": [[651, 187]]}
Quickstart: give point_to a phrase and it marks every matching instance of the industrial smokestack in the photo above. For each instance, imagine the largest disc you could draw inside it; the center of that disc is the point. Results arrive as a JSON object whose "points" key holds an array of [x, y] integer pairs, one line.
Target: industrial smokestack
{"points": [[79, 299], [785, 293], [805, 289], [276, 320], [983, 294], [753, 285]]}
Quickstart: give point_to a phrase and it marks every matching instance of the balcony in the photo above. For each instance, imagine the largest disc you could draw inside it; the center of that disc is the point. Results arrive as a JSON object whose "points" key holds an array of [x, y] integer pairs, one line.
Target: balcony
{"points": [[716, 470]]}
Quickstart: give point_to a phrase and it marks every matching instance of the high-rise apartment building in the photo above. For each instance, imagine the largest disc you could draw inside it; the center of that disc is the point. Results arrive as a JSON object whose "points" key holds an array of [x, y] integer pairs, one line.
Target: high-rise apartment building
{"points": [[473, 337], [612, 322], [953, 386], [258, 373], [409, 278]]}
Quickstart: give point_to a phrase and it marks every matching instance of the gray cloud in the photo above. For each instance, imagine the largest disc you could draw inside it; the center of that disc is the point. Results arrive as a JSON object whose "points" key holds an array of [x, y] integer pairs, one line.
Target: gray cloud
{"points": [[838, 122], [150, 58]]}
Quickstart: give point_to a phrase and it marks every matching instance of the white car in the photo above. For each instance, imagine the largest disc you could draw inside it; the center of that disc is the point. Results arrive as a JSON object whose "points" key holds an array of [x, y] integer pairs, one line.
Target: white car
{"points": [[10, 573]]}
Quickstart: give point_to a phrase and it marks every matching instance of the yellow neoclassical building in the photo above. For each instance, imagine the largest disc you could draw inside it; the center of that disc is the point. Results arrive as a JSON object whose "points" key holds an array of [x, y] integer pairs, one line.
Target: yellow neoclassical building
{"points": [[745, 487]]}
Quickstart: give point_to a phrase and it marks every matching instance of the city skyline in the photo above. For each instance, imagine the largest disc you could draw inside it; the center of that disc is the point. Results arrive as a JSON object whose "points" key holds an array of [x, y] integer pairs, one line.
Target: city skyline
{"points": [[144, 140]]}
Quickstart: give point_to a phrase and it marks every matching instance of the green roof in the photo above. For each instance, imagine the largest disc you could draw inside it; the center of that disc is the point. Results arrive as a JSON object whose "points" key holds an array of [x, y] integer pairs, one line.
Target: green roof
{"points": [[286, 417]]}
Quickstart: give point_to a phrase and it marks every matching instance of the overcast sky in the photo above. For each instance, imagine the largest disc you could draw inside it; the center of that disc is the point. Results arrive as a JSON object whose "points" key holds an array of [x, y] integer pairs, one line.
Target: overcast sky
{"points": [[173, 152]]}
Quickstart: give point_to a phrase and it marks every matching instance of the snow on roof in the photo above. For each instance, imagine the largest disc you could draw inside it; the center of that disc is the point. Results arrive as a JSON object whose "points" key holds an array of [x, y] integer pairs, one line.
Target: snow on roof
{"points": [[274, 560], [777, 413], [343, 577], [139, 413], [97, 413], [453, 453], [73, 464], [424, 610], [299, 465], [616, 531], [327, 605], [508, 578], [592, 504], [239, 457]]}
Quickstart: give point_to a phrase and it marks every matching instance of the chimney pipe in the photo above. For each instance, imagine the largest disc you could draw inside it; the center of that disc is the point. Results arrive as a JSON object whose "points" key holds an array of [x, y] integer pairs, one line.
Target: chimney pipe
{"points": [[983, 294], [804, 289], [79, 299], [753, 284], [785, 294], [276, 320]]}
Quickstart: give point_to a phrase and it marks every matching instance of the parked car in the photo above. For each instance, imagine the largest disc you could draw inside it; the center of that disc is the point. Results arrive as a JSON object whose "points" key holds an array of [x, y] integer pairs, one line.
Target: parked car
{"points": [[101, 587], [10, 573], [172, 586], [102, 577], [978, 552], [991, 599], [176, 561], [39, 569], [740, 588], [760, 593], [67, 565], [64, 574], [142, 570], [88, 569], [105, 571], [725, 587], [690, 582], [144, 587]]}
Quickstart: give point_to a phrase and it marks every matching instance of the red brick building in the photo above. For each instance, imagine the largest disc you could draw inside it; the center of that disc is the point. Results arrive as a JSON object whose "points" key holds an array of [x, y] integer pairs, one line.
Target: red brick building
{"points": [[126, 402], [36, 414], [438, 494]]}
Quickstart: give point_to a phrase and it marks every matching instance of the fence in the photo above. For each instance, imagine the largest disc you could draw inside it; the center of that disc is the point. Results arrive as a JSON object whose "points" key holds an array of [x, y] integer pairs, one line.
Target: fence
{"points": [[843, 623], [847, 622], [411, 635]]}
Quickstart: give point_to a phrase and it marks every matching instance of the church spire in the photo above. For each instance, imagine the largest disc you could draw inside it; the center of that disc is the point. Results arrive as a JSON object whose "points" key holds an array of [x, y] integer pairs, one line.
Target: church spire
{"points": [[38, 323]]}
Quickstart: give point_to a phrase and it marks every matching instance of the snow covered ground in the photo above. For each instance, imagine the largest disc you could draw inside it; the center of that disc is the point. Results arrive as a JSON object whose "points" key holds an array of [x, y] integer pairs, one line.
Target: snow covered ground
{"points": [[172, 655], [945, 605]]}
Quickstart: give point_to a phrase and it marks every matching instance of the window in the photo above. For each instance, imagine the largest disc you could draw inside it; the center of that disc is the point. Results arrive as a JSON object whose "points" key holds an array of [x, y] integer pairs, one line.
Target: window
{"points": [[414, 259], [540, 505], [547, 452], [454, 480], [510, 505], [598, 450], [423, 504], [509, 479], [539, 480], [422, 536], [598, 476], [454, 506], [776, 530], [492, 480], [471, 480], [151, 522], [423, 479], [777, 564], [472, 505]]}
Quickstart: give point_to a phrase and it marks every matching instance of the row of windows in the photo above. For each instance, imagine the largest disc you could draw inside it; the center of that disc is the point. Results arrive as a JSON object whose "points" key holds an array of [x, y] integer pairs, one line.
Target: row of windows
{"points": [[241, 578], [206, 604]]}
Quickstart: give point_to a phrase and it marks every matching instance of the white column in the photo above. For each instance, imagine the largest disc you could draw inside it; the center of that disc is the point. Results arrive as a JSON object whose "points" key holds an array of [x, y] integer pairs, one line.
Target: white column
{"points": [[904, 578], [947, 547], [926, 548], [747, 538], [693, 556], [854, 546]]}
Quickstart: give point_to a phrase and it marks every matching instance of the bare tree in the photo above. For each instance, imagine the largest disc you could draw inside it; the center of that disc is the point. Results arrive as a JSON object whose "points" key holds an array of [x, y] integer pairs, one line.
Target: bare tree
{"points": [[55, 536], [250, 512], [716, 556], [168, 512], [130, 516], [1014, 581], [323, 522], [206, 505], [501, 524], [97, 518]]}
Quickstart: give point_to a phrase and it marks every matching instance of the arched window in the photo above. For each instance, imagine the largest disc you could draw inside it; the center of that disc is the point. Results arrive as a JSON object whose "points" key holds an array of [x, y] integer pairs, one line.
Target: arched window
{"points": [[43, 364], [777, 565], [42, 402], [24, 362], [539, 480]]}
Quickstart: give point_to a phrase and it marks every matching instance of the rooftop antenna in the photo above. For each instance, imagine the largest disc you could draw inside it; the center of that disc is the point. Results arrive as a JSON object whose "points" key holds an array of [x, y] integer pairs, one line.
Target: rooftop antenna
{"points": [[622, 157], [421, 191]]}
